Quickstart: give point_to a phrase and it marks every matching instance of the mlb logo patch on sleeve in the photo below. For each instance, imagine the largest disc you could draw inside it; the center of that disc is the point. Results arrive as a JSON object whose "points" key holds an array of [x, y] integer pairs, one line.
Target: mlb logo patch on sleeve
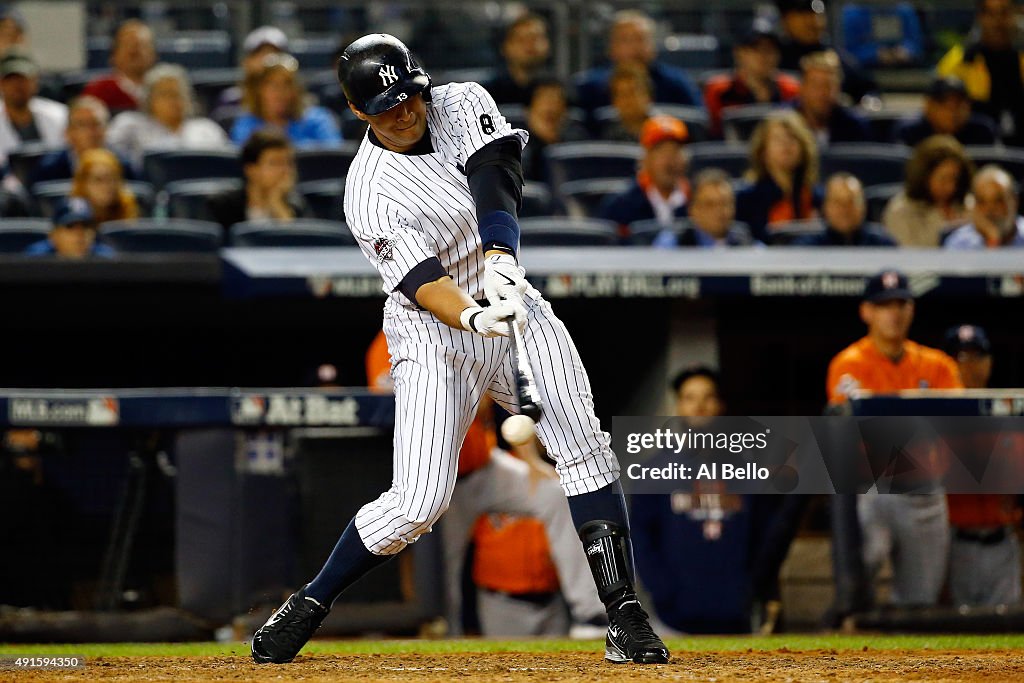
{"points": [[384, 247]]}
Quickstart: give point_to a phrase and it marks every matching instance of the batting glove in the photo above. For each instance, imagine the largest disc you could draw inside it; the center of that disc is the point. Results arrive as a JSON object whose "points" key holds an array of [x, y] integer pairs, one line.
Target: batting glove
{"points": [[503, 278], [492, 321]]}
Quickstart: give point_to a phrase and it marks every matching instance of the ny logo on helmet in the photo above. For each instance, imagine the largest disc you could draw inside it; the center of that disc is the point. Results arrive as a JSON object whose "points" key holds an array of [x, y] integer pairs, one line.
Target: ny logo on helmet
{"points": [[387, 74]]}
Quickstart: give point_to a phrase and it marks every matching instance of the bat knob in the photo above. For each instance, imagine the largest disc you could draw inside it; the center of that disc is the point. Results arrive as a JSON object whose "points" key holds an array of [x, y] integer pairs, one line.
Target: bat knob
{"points": [[532, 410]]}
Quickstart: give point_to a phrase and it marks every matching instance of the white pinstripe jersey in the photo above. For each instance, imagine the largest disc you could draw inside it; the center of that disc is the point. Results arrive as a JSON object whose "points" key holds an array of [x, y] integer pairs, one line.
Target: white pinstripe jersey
{"points": [[404, 209]]}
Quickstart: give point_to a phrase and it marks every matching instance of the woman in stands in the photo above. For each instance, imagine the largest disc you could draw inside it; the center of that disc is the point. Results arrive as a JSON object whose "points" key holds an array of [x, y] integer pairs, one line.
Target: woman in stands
{"points": [[275, 98], [99, 179], [935, 186], [781, 182], [166, 119]]}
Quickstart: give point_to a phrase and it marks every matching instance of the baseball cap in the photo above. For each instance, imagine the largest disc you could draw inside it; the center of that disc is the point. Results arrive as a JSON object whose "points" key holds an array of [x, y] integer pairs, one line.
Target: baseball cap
{"points": [[74, 210], [943, 87], [786, 6], [967, 338], [265, 35], [661, 128], [18, 63], [887, 286], [759, 30]]}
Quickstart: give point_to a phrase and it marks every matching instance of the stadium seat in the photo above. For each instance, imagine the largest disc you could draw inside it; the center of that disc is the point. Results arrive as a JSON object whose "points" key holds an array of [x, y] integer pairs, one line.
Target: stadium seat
{"points": [[584, 197], [554, 231], [781, 234], [188, 198], [642, 233], [1009, 159], [584, 160], [732, 158], [537, 200], [16, 234], [692, 51], [874, 164], [210, 83], [162, 166], [162, 236], [305, 232], [314, 52], [738, 123], [325, 163], [196, 49], [24, 159], [325, 198], [877, 196], [695, 118], [49, 194], [515, 114], [882, 123]]}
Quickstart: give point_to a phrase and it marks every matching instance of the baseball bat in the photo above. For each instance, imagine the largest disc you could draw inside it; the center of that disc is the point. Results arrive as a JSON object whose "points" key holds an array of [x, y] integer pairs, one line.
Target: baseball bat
{"points": [[530, 404]]}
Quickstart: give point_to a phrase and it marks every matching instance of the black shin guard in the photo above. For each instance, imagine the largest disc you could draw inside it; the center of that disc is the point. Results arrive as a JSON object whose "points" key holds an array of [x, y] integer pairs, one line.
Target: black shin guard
{"points": [[607, 547]]}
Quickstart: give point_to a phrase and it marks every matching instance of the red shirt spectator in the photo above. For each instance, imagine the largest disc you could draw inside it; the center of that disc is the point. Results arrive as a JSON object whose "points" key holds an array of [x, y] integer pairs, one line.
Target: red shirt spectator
{"points": [[131, 56]]}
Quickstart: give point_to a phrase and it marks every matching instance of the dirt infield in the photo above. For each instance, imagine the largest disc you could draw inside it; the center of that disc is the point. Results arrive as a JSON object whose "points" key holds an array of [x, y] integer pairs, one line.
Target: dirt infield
{"points": [[780, 665]]}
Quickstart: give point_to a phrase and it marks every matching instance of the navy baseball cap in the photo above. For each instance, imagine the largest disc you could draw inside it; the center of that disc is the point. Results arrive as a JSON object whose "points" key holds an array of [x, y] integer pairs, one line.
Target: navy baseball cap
{"points": [[967, 338], [786, 6], [74, 210], [887, 286], [943, 87]]}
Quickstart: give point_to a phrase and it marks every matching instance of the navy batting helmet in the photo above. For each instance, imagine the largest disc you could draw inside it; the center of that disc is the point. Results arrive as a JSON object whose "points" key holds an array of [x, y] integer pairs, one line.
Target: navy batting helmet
{"points": [[377, 72]]}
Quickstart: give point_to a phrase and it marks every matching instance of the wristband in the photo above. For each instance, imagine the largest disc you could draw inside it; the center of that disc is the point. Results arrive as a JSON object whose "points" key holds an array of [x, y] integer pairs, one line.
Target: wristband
{"points": [[468, 317]]}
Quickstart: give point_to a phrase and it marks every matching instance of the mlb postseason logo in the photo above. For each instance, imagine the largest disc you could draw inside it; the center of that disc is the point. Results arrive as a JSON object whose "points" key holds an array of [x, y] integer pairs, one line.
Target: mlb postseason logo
{"points": [[103, 411], [291, 410]]}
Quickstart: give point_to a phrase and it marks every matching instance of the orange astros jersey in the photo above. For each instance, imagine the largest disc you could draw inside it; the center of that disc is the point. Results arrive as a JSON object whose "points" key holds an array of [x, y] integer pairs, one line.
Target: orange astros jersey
{"points": [[862, 366]]}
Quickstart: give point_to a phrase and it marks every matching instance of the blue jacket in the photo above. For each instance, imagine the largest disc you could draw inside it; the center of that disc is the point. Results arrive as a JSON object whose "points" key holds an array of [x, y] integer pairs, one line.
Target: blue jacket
{"points": [[868, 235], [45, 248], [979, 130], [631, 206], [754, 202], [844, 125], [671, 86], [862, 40], [317, 126]]}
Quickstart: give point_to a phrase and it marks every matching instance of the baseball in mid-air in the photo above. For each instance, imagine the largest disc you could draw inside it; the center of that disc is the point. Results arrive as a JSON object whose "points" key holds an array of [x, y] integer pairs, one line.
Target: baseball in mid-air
{"points": [[518, 430]]}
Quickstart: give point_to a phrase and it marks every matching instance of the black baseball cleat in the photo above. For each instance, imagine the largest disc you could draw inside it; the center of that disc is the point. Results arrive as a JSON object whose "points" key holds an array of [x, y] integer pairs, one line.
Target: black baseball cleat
{"points": [[630, 636], [288, 629]]}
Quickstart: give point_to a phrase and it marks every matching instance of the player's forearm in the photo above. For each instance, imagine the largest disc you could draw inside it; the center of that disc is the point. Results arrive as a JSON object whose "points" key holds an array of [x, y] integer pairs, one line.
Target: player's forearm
{"points": [[445, 300]]}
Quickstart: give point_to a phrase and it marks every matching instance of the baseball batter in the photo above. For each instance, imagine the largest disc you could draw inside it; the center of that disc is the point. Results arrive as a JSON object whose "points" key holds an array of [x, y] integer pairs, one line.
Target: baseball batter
{"points": [[432, 197]]}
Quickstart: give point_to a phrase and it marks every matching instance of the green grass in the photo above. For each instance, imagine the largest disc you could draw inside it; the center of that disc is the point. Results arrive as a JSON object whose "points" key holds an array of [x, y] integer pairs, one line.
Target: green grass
{"points": [[694, 644]]}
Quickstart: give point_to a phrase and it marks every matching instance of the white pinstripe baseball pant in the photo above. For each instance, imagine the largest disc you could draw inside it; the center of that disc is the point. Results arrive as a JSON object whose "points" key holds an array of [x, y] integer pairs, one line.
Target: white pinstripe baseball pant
{"points": [[440, 375]]}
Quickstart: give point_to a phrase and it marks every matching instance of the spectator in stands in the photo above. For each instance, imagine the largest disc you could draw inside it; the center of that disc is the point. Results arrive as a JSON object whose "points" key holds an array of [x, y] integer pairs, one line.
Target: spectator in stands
{"points": [[268, 164], [869, 36], [261, 42], [100, 180], [87, 129], [711, 221], [73, 234], [755, 79], [932, 200], [819, 101], [131, 56], [992, 67], [12, 30], [783, 174], [912, 531], [631, 42], [947, 111], [25, 117], [525, 49], [660, 190], [994, 220], [804, 29], [844, 210], [165, 118], [547, 119], [708, 556], [631, 90], [275, 98], [984, 553]]}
